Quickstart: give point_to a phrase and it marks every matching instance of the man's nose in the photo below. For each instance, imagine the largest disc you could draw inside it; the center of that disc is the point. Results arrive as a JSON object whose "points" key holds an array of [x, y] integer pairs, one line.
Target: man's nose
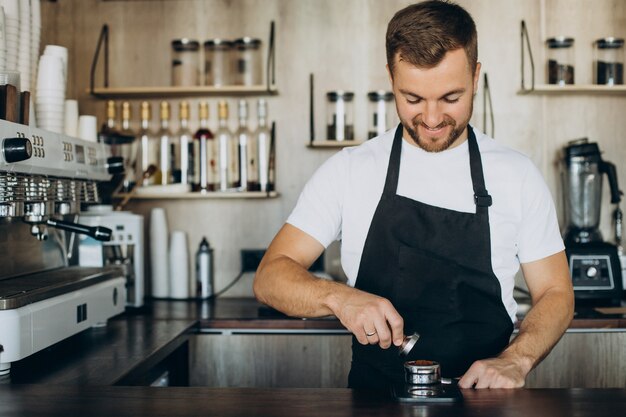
{"points": [[432, 114]]}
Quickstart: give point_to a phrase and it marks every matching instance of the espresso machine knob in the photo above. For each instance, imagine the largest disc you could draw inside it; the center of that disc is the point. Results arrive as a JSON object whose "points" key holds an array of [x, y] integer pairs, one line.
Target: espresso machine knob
{"points": [[16, 149], [115, 165]]}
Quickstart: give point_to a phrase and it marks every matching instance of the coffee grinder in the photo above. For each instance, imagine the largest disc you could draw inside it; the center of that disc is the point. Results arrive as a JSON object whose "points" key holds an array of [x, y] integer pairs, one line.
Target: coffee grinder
{"points": [[594, 263], [125, 249]]}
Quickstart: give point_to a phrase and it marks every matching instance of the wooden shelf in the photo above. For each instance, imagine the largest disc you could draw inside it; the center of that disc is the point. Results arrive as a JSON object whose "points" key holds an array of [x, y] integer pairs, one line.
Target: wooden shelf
{"points": [[200, 196], [198, 91], [328, 144], [554, 89]]}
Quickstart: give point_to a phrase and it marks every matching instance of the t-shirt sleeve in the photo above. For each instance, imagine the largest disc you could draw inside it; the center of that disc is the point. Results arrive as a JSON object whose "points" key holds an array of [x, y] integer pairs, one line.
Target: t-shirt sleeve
{"points": [[539, 234], [319, 207]]}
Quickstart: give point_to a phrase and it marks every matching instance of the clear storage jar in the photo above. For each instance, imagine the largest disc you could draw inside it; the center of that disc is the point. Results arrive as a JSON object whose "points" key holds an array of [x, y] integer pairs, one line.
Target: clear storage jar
{"points": [[340, 125], [247, 62], [379, 111], [609, 61], [560, 60], [217, 62], [185, 62]]}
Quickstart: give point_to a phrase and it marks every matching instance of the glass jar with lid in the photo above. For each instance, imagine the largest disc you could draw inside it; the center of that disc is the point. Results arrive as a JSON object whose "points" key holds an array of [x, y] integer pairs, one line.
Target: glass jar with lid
{"points": [[185, 62], [379, 105], [340, 125], [609, 61], [247, 60], [217, 62], [560, 60]]}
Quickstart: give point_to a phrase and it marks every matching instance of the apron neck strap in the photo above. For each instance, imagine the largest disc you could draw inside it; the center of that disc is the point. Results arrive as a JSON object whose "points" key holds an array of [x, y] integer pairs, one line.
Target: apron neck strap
{"points": [[482, 199]]}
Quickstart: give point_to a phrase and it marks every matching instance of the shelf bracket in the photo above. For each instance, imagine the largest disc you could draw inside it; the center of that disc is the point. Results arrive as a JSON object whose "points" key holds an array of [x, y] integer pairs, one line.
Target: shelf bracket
{"points": [[525, 37], [487, 99], [103, 39], [271, 66]]}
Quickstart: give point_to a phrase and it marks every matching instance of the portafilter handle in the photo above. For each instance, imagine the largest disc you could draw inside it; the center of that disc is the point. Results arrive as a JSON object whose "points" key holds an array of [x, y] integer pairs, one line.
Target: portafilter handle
{"points": [[97, 232]]}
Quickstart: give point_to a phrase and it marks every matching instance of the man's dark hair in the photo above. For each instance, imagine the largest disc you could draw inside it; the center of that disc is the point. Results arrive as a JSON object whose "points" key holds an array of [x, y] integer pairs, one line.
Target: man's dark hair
{"points": [[424, 32]]}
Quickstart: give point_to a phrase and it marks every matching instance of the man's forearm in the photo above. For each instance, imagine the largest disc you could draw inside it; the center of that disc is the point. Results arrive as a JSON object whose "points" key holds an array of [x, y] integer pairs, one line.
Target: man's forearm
{"points": [[541, 329], [285, 285]]}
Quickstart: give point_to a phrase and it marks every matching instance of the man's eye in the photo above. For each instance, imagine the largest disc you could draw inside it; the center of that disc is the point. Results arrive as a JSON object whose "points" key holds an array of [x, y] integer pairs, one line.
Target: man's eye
{"points": [[413, 100], [451, 100]]}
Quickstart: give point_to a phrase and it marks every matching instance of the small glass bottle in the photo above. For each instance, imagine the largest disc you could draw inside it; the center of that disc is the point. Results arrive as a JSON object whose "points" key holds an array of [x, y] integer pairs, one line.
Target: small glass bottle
{"points": [[560, 60], [165, 142], [248, 65], [227, 151], [148, 154], [609, 61], [379, 121], [248, 170], [217, 62], [182, 148], [263, 139], [185, 63], [110, 124], [205, 151], [128, 145], [339, 110]]}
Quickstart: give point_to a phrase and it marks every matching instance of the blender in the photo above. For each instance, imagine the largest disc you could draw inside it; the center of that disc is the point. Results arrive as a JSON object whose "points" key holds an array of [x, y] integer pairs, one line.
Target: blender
{"points": [[593, 262]]}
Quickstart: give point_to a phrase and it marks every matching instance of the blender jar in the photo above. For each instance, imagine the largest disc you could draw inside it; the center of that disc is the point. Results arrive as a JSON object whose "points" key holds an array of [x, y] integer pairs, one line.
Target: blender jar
{"points": [[560, 60], [609, 61], [248, 69], [340, 125], [185, 62], [217, 60], [379, 119]]}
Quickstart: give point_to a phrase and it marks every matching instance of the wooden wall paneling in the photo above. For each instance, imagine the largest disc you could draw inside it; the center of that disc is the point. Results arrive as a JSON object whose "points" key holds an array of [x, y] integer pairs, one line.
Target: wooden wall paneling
{"points": [[342, 43]]}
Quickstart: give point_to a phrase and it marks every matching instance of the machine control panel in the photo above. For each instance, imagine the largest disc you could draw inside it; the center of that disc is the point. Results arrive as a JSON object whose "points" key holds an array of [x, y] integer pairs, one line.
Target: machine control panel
{"points": [[591, 272], [28, 150]]}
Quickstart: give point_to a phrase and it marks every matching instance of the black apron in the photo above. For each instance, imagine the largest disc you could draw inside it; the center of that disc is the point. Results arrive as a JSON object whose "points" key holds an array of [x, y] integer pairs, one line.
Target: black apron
{"points": [[434, 265]]}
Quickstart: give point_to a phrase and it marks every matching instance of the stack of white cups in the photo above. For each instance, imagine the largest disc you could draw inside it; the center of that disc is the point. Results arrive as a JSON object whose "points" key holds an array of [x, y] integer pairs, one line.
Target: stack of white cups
{"points": [[24, 48], [159, 260], [179, 266], [35, 40], [3, 42], [12, 31], [51, 82]]}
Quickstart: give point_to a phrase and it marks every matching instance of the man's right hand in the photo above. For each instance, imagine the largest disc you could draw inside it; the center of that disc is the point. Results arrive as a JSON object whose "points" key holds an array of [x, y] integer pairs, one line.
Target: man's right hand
{"points": [[283, 282], [372, 319]]}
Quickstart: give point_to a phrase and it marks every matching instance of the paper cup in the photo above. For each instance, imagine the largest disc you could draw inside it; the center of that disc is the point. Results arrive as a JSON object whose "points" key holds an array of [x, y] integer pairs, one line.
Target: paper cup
{"points": [[88, 128]]}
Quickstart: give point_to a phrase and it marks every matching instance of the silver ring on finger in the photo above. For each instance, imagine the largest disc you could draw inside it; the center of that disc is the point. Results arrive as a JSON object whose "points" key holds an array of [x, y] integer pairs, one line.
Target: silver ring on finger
{"points": [[370, 334]]}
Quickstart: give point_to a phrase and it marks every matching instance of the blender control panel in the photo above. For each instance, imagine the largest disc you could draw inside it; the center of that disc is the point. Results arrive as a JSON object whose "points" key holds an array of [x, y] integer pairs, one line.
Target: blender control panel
{"points": [[591, 272]]}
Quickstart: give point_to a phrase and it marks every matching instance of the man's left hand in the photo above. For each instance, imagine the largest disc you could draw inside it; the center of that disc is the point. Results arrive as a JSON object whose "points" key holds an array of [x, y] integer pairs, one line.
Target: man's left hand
{"points": [[494, 373]]}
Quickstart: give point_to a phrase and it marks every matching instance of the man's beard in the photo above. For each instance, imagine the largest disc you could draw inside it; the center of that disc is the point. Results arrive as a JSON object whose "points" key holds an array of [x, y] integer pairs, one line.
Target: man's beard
{"points": [[440, 145]]}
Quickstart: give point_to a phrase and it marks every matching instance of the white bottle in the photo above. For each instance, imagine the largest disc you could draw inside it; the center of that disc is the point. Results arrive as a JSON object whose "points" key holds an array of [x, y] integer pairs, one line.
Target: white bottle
{"points": [[204, 270]]}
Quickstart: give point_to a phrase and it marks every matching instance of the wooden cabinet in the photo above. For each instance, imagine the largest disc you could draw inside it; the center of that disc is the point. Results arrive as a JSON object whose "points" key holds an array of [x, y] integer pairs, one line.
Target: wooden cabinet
{"points": [[589, 359], [303, 360], [584, 359]]}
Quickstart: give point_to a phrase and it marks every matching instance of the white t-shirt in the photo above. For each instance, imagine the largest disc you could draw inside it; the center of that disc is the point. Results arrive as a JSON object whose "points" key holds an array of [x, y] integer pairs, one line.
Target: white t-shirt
{"points": [[339, 201]]}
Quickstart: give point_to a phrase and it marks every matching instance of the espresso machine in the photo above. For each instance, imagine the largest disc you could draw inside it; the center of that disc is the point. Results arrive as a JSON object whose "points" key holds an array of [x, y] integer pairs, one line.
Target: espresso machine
{"points": [[45, 178], [594, 262], [124, 249]]}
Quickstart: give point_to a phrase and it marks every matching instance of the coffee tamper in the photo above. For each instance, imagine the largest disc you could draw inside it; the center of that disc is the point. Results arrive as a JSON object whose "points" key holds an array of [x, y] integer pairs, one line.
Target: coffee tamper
{"points": [[408, 343]]}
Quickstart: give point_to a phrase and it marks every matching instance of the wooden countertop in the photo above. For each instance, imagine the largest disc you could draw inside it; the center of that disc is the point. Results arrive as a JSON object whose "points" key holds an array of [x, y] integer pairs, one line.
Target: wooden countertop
{"points": [[53, 400], [106, 355], [248, 313]]}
